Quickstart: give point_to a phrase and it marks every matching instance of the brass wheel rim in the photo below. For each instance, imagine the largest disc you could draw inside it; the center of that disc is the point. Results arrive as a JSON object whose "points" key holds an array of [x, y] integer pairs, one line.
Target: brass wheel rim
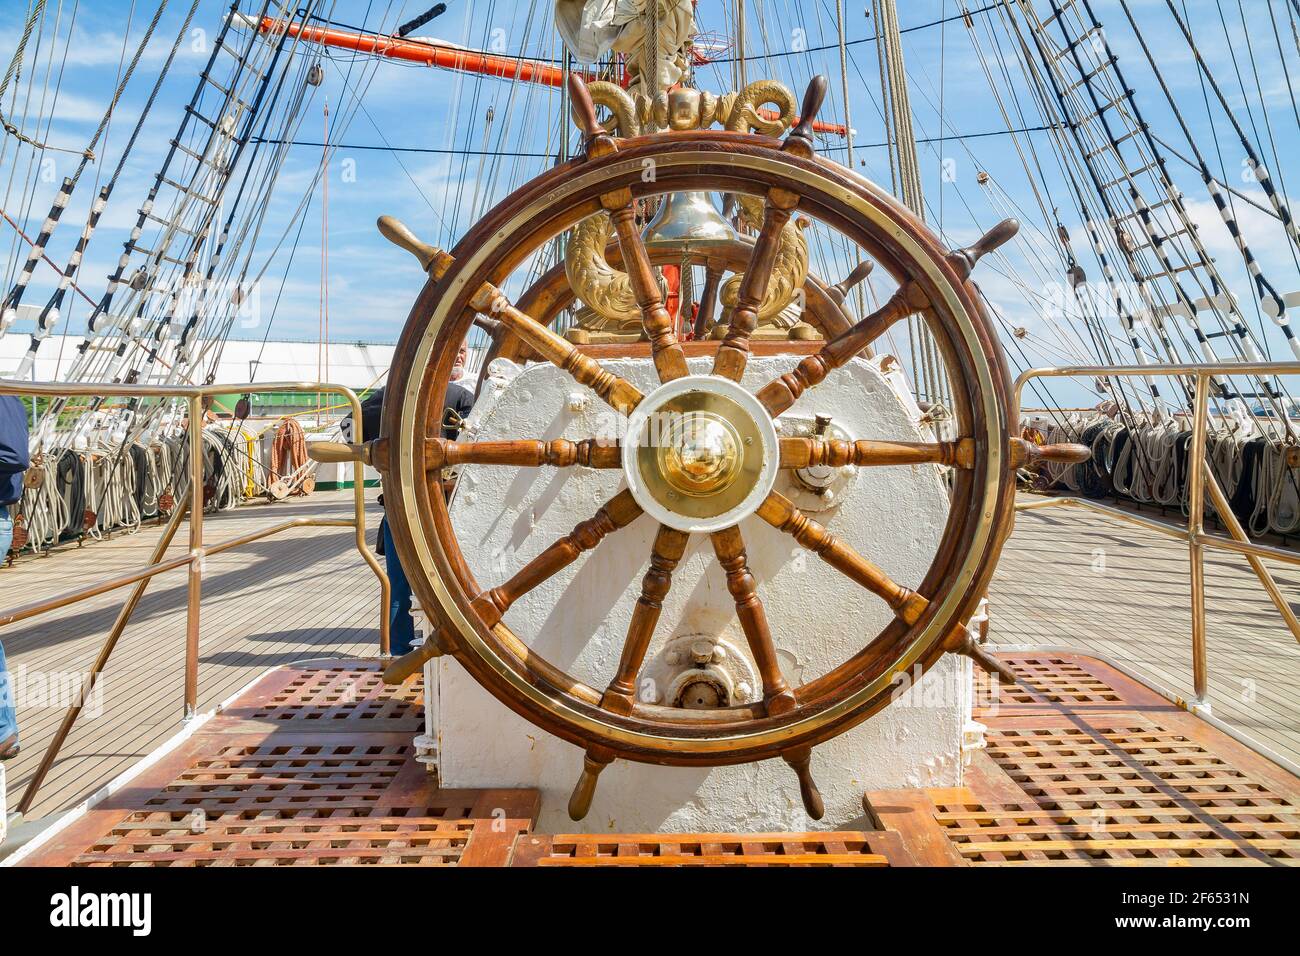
{"points": [[854, 690]]}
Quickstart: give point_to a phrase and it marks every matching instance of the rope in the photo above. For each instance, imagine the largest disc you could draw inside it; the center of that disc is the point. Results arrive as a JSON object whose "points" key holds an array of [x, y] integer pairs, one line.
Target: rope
{"points": [[288, 451]]}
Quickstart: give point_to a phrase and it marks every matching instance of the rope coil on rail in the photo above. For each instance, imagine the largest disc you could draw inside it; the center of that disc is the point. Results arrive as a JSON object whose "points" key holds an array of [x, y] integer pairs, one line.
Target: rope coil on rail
{"points": [[1149, 464]]}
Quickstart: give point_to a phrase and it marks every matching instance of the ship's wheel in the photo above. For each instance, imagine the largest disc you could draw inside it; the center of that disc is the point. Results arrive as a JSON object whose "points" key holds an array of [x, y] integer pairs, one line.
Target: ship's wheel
{"points": [[702, 480]]}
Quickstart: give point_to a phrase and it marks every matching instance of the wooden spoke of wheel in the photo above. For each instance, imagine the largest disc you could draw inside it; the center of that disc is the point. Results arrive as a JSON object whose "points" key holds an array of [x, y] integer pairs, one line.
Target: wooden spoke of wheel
{"points": [[708, 301], [523, 452], [907, 604], [670, 361], [781, 513], [618, 512], [669, 546], [491, 301], [621, 394], [733, 353], [909, 299], [729, 546], [834, 453], [779, 394]]}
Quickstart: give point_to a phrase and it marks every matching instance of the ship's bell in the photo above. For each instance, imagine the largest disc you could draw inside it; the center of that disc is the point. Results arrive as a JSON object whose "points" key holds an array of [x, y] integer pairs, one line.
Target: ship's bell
{"points": [[687, 218]]}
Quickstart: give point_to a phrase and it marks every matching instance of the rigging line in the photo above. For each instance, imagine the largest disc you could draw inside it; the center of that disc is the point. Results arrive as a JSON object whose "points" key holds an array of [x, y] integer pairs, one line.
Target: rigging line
{"points": [[366, 113], [73, 269], [835, 46], [1135, 262], [1238, 326], [29, 192], [540, 155], [1265, 293], [97, 206], [1281, 55], [1270, 143], [69, 184], [53, 265], [45, 92], [301, 216], [1093, 332], [1244, 197], [1241, 85], [182, 358], [1261, 173], [1061, 151], [35, 12], [135, 342], [217, 322], [558, 61]]}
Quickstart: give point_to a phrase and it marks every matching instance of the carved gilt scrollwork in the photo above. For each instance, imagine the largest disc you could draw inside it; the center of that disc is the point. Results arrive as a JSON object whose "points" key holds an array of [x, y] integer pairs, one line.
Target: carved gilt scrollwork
{"points": [[605, 290], [739, 112], [602, 288], [688, 109]]}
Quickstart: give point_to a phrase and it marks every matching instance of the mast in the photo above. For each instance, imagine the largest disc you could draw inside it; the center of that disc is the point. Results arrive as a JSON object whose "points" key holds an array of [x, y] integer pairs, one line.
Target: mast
{"points": [[902, 150], [927, 367]]}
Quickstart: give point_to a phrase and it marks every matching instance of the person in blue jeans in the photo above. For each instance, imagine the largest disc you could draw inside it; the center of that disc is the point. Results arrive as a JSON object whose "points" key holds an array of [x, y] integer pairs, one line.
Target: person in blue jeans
{"points": [[14, 461], [401, 626]]}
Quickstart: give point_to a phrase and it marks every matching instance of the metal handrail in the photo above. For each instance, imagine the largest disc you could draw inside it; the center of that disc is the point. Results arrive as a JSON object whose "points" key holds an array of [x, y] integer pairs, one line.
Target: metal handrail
{"points": [[1201, 480], [198, 551]]}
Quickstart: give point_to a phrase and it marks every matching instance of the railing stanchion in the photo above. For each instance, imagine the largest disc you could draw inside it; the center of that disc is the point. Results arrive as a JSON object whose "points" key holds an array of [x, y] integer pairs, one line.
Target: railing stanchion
{"points": [[1195, 528], [359, 522], [1224, 509], [194, 396], [195, 590], [105, 652]]}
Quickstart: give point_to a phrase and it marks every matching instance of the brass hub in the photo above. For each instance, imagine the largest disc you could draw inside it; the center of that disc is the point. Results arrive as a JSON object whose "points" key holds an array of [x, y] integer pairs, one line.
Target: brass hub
{"points": [[699, 453]]}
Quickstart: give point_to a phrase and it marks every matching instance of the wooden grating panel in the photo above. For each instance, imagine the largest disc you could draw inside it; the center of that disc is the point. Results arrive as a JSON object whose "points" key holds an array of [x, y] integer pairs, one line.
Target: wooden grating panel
{"points": [[1147, 831], [348, 696], [255, 788], [279, 776], [1118, 763], [273, 803], [276, 838], [711, 849], [1050, 681], [1086, 767]]}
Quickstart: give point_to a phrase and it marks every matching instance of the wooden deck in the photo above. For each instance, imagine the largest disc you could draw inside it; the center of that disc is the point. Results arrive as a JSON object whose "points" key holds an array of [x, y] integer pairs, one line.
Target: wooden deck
{"points": [[302, 594], [1102, 586], [1067, 578], [1086, 767], [314, 765]]}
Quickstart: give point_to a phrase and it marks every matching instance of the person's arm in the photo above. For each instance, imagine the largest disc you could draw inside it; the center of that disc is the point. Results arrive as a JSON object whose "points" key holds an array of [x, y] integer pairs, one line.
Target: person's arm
{"points": [[460, 402]]}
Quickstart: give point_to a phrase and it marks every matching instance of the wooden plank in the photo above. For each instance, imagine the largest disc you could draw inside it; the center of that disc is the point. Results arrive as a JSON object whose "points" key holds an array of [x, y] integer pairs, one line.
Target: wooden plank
{"points": [[910, 815], [1080, 580], [800, 859], [143, 681]]}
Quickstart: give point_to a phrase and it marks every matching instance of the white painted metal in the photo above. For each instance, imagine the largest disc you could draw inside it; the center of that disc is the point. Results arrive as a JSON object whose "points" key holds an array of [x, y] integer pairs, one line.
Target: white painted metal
{"points": [[577, 620]]}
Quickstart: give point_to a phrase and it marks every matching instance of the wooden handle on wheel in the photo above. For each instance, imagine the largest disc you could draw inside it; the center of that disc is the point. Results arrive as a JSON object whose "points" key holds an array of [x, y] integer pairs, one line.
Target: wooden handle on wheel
{"points": [[964, 260], [401, 669], [337, 452], [1025, 453], [400, 234], [584, 110], [801, 137]]}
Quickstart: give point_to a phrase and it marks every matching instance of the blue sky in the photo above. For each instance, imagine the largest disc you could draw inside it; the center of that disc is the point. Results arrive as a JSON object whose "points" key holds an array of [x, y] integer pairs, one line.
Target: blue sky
{"points": [[372, 284]]}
